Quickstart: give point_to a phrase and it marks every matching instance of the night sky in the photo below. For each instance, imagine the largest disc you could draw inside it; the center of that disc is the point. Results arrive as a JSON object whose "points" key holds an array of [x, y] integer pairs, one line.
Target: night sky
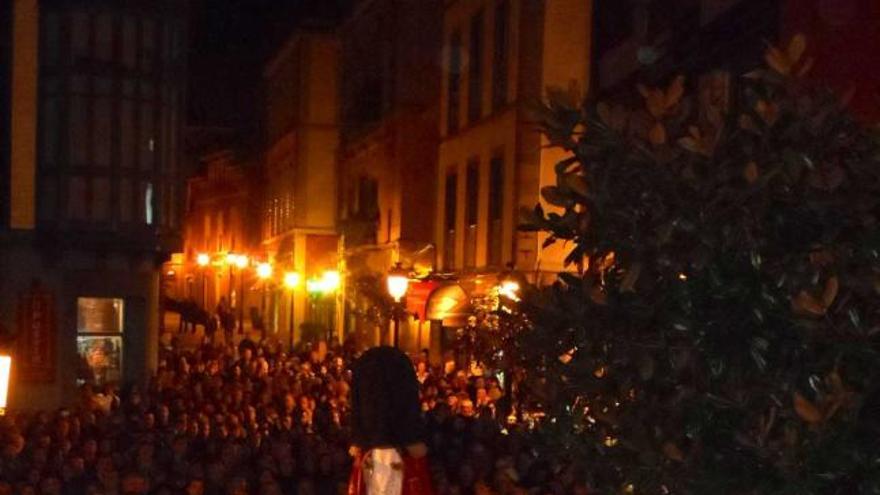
{"points": [[230, 40]]}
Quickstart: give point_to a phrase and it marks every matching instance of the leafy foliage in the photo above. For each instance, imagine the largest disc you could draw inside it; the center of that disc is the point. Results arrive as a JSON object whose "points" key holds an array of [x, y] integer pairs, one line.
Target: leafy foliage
{"points": [[721, 332]]}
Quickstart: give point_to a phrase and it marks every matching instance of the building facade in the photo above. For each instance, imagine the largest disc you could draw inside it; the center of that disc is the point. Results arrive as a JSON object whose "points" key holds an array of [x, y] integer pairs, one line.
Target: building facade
{"points": [[221, 203], [91, 197], [300, 182], [390, 94], [500, 56]]}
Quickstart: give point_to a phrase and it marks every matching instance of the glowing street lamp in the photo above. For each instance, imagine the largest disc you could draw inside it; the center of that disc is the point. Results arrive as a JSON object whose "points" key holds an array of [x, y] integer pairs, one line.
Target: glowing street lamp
{"points": [[398, 283], [330, 281], [203, 260], [239, 261], [5, 369], [291, 282], [264, 271]]}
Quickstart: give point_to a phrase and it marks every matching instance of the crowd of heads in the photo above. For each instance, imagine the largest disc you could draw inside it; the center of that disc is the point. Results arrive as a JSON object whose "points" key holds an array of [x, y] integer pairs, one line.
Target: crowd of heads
{"points": [[254, 419]]}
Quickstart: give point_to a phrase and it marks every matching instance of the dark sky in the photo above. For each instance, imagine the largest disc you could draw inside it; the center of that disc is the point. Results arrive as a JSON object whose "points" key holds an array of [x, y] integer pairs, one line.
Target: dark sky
{"points": [[230, 40]]}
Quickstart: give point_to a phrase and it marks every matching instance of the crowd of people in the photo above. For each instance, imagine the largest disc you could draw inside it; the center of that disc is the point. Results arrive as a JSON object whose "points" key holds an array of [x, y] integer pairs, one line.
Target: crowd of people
{"points": [[253, 419]]}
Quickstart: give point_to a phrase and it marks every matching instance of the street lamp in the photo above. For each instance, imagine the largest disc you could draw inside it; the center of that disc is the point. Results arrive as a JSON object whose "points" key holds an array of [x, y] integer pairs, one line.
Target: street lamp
{"points": [[330, 281], [264, 273], [264, 270], [5, 368], [398, 283], [291, 282], [241, 262]]}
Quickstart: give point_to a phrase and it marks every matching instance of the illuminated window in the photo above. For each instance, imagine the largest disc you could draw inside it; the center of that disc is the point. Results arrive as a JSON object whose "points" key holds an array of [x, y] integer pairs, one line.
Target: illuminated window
{"points": [[148, 203], [99, 339]]}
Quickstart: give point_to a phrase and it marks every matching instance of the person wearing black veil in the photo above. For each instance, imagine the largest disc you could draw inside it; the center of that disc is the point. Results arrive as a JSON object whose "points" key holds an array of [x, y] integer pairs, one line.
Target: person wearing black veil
{"points": [[387, 426]]}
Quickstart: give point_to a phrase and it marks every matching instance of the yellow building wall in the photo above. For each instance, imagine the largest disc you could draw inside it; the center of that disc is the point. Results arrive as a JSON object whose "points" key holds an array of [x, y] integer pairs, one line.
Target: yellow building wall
{"points": [[565, 64], [302, 115], [549, 45], [319, 134], [25, 63], [483, 142]]}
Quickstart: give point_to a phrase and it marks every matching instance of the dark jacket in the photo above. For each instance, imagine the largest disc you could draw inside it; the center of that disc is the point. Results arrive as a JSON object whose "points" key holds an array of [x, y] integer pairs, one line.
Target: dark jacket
{"points": [[385, 400]]}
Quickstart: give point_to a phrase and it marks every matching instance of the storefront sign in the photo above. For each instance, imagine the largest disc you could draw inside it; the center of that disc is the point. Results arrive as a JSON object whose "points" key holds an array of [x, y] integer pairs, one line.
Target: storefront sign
{"points": [[35, 356]]}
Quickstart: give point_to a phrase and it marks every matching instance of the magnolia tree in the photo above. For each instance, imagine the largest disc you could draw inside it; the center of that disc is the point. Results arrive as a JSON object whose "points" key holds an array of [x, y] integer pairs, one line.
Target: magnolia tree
{"points": [[721, 333]]}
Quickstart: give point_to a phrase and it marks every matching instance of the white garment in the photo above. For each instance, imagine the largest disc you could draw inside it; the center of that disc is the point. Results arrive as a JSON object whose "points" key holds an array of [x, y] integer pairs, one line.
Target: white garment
{"points": [[383, 472]]}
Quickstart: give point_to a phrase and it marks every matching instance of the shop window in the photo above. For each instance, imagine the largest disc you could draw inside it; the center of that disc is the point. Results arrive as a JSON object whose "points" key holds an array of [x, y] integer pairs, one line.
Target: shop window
{"points": [[99, 339]]}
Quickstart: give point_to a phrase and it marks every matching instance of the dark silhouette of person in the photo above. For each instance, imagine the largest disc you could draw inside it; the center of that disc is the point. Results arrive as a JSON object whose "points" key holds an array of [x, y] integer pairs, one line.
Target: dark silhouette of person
{"points": [[386, 420]]}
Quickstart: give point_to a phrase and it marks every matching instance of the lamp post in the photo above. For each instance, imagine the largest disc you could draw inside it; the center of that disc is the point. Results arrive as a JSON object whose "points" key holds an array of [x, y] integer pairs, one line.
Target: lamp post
{"points": [[291, 282], [241, 261], [264, 273], [330, 281], [202, 260], [230, 263], [398, 283], [5, 369]]}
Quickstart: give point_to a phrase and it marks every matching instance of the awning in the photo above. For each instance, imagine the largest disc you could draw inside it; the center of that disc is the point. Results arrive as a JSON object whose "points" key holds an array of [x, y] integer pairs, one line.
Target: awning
{"points": [[449, 304], [417, 297]]}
